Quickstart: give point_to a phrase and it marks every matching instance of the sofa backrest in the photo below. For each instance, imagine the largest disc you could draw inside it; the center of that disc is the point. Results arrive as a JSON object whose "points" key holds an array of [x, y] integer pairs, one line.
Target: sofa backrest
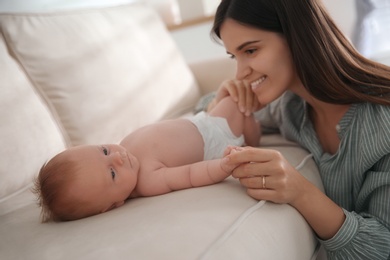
{"points": [[28, 133], [83, 77]]}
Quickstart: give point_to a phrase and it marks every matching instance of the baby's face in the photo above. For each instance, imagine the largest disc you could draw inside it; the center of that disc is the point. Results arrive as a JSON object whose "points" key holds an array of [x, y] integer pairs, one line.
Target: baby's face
{"points": [[108, 175]]}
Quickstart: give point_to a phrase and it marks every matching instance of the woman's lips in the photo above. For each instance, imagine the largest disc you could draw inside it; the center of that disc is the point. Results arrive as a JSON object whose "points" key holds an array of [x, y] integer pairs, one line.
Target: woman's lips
{"points": [[255, 84]]}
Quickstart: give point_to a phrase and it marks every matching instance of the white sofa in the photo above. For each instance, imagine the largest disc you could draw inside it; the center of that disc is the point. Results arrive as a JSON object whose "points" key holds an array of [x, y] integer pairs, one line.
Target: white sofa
{"points": [[89, 77]]}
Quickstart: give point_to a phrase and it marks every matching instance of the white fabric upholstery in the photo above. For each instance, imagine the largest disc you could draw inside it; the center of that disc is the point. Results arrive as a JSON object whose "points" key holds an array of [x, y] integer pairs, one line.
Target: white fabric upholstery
{"points": [[29, 136], [92, 76], [92, 53]]}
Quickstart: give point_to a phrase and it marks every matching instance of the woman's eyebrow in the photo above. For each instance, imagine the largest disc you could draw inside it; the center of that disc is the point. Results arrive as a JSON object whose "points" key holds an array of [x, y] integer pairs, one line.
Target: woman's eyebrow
{"points": [[242, 46]]}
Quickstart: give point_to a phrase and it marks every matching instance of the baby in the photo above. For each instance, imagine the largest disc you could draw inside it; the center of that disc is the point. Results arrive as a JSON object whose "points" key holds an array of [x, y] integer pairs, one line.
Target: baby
{"points": [[159, 158]]}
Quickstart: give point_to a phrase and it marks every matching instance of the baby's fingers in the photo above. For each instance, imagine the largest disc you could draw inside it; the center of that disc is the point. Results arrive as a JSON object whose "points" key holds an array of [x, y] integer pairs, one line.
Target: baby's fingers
{"points": [[230, 149]]}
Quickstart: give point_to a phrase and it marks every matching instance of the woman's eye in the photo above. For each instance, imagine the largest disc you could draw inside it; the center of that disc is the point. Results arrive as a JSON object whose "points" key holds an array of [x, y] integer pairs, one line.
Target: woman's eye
{"points": [[105, 151], [231, 56], [113, 174], [250, 51]]}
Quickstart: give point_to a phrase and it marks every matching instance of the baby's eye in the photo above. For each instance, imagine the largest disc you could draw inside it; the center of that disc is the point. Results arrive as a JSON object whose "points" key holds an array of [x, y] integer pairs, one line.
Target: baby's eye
{"points": [[105, 151], [113, 174]]}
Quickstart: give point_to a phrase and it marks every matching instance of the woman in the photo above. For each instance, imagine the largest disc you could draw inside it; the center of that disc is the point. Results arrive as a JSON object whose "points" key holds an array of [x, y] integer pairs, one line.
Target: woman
{"points": [[313, 87]]}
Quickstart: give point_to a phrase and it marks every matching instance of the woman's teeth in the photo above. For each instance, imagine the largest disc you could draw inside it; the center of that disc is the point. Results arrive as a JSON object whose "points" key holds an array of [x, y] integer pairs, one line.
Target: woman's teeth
{"points": [[256, 83]]}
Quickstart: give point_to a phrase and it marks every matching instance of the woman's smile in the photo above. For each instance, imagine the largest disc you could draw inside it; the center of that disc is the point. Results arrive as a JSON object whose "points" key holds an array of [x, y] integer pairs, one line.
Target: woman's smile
{"points": [[255, 84]]}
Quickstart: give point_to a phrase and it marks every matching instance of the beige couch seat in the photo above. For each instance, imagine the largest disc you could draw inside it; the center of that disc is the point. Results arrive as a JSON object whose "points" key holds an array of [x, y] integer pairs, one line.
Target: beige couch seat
{"points": [[89, 77]]}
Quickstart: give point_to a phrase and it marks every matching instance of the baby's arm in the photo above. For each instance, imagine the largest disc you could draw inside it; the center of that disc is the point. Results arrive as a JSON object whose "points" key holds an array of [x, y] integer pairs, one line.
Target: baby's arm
{"points": [[194, 175]]}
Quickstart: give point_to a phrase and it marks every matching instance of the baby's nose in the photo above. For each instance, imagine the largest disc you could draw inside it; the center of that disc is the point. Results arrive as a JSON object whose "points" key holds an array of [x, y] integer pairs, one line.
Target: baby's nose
{"points": [[117, 158]]}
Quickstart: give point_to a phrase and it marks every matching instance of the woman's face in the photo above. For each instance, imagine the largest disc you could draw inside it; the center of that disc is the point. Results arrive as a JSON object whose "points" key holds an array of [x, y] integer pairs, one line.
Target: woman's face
{"points": [[263, 59]]}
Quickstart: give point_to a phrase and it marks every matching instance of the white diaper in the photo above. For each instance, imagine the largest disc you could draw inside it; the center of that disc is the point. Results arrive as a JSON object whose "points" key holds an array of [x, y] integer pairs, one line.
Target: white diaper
{"points": [[216, 134]]}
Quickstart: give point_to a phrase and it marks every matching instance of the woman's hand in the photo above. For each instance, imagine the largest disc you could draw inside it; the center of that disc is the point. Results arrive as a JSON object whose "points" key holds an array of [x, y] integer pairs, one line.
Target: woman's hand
{"points": [[225, 164], [266, 174], [241, 93]]}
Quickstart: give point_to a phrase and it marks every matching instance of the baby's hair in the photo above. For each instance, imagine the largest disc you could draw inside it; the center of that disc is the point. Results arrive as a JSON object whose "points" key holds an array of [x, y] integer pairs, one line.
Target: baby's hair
{"points": [[51, 186]]}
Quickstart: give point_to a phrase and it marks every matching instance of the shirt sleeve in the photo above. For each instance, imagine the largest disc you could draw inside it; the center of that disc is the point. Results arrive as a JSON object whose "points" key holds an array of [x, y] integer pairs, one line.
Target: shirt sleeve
{"points": [[366, 235], [359, 238]]}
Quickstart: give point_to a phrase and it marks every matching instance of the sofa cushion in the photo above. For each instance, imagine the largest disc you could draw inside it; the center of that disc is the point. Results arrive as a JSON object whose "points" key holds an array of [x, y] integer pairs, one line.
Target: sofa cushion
{"points": [[29, 136], [122, 56]]}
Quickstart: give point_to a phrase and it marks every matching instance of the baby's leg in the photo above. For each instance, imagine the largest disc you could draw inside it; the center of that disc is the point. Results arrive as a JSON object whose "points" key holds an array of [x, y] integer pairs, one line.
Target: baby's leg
{"points": [[228, 109], [238, 122]]}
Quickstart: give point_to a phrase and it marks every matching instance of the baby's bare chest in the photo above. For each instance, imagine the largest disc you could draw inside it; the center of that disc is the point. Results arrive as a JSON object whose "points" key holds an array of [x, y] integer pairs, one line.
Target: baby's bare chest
{"points": [[169, 143]]}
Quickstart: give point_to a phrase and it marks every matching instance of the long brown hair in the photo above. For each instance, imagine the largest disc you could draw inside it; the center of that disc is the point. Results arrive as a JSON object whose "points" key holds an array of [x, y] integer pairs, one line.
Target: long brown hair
{"points": [[328, 65]]}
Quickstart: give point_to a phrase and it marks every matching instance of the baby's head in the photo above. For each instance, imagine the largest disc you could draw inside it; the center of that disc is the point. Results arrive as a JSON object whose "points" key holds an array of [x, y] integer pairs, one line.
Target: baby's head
{"points": [[85, 180]]}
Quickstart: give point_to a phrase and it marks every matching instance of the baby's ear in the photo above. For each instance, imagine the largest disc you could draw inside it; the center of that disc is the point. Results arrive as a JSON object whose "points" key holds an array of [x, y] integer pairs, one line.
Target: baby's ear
{"points": [[113, 206], [118, 204], [108, 208]]}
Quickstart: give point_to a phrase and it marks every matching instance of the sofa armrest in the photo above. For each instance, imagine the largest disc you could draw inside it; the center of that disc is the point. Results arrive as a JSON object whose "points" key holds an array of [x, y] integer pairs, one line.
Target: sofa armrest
{"points": [[210, 73]]}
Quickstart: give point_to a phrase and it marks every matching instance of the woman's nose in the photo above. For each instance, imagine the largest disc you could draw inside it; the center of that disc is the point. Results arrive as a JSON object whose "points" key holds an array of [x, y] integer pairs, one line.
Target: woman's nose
{"points": [[243, 70]]}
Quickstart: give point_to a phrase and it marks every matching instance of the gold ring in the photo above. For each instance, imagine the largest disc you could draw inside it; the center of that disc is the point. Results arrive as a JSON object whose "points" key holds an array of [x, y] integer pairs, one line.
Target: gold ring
{"points": [[264, 187]]}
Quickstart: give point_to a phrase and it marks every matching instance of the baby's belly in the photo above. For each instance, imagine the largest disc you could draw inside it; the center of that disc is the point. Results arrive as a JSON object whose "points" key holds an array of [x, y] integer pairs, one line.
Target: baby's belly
{"points": [[181, 144]]}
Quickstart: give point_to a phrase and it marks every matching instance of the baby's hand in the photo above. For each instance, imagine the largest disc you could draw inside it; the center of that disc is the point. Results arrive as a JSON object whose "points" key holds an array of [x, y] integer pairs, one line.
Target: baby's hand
{"points": [[229, 150]]}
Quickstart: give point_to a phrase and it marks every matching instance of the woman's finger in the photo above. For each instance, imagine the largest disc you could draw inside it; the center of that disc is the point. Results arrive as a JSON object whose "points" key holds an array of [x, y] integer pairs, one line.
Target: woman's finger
{"points": [[258, 182], [233, 90], [262, 194], [256, 169], [225, 89], [250, 99], [242, 93], [255, 104], [252, 154]]}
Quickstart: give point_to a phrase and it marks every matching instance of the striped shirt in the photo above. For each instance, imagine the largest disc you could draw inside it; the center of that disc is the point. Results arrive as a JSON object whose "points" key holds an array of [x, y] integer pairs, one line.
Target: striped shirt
{"points": [[357, 177]]}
